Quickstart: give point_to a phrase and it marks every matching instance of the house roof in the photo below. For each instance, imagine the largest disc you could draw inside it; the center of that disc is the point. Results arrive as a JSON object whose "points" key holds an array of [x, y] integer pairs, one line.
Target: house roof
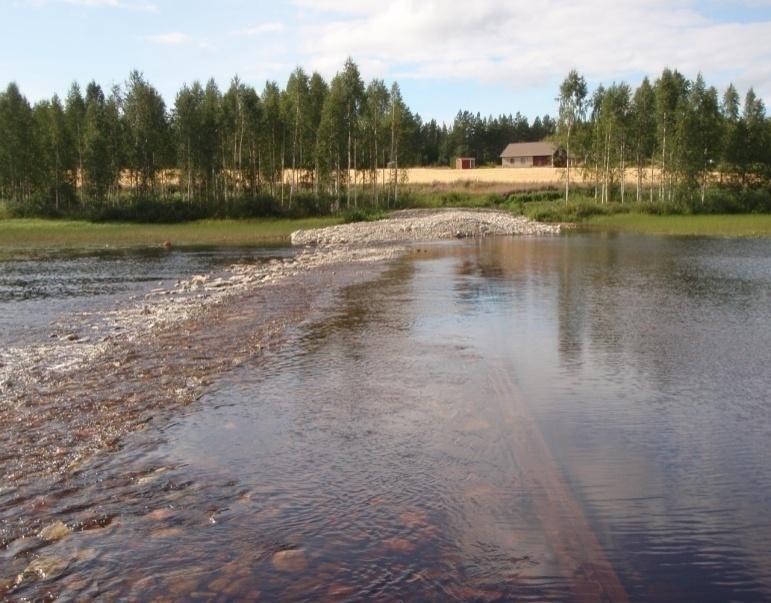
{"points": [[529, 149]]}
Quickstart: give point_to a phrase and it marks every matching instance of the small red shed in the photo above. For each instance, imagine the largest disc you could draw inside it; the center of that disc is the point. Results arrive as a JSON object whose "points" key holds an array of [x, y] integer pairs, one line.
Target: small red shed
{"points": [[465, 163]]}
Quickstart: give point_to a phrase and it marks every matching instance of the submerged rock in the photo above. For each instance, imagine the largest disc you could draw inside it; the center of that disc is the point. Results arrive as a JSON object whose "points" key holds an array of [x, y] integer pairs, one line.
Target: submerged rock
{"points": [[399, 545], [44, 568], [160, 514], [56, 531], [292, 560]]}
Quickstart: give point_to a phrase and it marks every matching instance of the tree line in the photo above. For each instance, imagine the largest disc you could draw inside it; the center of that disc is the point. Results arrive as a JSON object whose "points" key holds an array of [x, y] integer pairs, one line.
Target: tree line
{"points": [[317, 145], [338, 140], [680, 138]]}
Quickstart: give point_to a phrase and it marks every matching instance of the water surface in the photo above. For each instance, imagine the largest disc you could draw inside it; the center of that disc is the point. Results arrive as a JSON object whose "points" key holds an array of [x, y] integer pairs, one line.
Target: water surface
{"points": [[39, 288], [567, 418]]}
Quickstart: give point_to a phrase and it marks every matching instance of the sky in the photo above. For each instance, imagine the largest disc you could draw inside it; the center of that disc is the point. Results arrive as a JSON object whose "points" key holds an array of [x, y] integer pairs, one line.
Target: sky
{"points": [[487, 56]]}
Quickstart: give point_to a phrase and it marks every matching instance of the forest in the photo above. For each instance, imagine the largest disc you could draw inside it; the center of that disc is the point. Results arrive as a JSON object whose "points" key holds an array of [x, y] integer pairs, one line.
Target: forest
{"points": [[679, 137], [316, 147]]}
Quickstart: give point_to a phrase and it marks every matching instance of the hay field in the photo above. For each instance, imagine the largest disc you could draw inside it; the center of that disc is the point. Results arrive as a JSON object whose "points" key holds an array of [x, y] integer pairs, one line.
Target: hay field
{"points": [[540, 175], [483, 178], [517, 177]]}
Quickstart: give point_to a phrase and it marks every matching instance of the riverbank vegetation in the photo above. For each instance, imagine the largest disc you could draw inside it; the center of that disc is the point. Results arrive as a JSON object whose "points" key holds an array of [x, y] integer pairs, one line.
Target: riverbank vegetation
{"points": [[718, 217], [322, 148], [692, 225]]}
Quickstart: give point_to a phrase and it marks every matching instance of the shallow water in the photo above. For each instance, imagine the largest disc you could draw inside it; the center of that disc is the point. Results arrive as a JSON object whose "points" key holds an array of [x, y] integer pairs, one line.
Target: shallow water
{"points": [[38, 289], [570, 418]]}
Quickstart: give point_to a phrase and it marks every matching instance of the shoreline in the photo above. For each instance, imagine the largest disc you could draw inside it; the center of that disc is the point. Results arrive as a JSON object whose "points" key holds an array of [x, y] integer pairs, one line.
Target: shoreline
{"points": [[100, 373]]}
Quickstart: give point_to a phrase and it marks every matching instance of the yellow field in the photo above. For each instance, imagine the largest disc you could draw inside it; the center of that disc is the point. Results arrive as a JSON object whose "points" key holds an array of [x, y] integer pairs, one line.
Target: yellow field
{"points": [[482, 177], [540, 175], [525, 177]]}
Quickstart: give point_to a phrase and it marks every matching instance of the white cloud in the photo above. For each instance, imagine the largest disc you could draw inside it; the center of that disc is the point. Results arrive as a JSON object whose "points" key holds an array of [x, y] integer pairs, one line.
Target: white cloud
{"points": [[259, 29], [172, 38], [530, 45]]}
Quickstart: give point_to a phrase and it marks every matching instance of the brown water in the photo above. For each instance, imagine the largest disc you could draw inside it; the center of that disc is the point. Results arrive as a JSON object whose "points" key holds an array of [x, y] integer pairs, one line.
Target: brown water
{"points": [[574, 418]]}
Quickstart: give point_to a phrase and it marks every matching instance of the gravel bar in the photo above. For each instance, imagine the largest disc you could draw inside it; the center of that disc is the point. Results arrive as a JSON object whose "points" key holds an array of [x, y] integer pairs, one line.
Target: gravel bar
{"points": [[425, 225]]}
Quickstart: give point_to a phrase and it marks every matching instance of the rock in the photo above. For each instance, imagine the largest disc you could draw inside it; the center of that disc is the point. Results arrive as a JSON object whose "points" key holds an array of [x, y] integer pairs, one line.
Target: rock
{"points": [[160, 514], [55, 531], [44, 567], [414, 518], [340, 591], [292, 560], [86, 555], [166, 533], [400, 545]]}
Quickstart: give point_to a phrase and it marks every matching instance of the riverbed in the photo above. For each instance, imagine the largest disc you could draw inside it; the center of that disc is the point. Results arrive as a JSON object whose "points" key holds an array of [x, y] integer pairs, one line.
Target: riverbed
{"points": [[536, 418]]}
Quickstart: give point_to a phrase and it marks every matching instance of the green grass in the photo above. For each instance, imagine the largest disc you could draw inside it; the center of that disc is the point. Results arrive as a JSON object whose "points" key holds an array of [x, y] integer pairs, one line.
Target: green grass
{"points": [[39, 233], [422, 199], [725, 225]]}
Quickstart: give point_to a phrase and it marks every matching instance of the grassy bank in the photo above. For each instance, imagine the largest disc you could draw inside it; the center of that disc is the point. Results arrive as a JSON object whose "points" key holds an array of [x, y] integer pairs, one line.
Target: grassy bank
{"points": [[65, 233], [758, 225]]}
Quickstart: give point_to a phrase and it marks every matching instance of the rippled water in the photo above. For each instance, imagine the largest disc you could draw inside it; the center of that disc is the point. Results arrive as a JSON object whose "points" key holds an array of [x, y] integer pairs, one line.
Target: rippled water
{"points": [[37, 289], [575, 418]]}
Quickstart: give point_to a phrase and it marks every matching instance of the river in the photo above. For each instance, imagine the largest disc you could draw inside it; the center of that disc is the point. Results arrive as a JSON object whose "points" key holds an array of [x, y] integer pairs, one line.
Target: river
{"points": [[581, 417]]}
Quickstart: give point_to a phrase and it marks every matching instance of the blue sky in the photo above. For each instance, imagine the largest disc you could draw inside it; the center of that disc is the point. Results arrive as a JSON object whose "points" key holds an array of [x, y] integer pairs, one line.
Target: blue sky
{"points": [[488, 56]]}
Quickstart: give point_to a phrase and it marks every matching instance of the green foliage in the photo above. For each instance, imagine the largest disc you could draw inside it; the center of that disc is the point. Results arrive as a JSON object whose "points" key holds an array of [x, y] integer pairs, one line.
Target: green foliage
{"points": [[213, 154], [363, 215], [423, 199], [149, 147], [580, 208]]}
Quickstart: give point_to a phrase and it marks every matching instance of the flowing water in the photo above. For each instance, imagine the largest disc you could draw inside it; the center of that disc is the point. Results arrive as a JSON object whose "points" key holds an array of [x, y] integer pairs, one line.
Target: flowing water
{"points": [[583, 417], [38, 289]]}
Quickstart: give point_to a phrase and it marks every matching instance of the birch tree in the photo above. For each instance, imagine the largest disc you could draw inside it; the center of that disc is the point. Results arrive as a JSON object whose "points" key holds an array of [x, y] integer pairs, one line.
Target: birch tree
{"points": [[376, 115], [571, 111], [644, 132], [274, 133], [295, 116], [18, 146], [670, 90], [397, 118], [317, 94], [353, 91], [75, 112], [148, 131], [732, 131]]}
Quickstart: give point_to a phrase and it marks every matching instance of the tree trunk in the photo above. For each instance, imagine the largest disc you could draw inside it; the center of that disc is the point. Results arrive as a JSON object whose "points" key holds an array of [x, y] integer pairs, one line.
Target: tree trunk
{"points": [[348, 173], [294, 153], [355, 194], [639, 178], [56, 179], [623, 175], [283, 154], [567, 165], [663, 164]]}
